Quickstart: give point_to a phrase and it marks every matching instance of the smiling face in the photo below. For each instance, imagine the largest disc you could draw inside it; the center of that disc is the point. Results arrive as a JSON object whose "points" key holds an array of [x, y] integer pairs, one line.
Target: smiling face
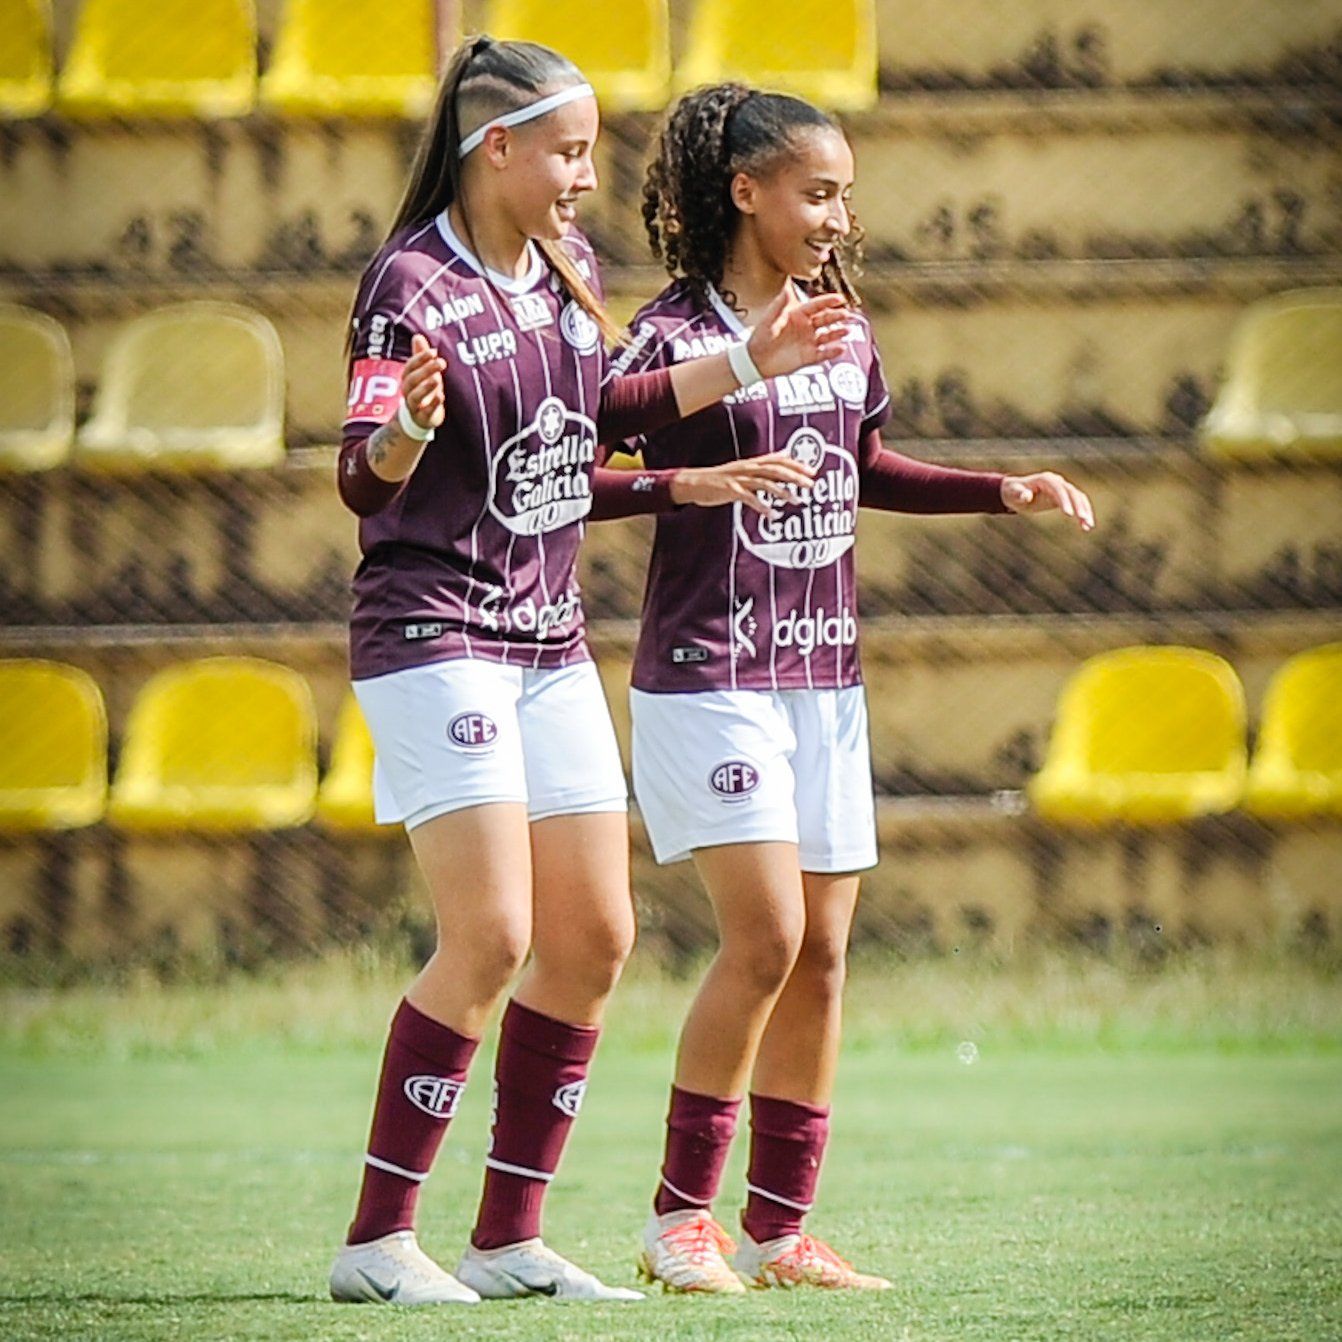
{"points": [[797, 209], [544, 166]]}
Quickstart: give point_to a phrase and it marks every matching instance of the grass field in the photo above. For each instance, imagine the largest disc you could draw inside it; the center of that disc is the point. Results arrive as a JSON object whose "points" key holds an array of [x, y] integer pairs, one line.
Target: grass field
{"points": [[1132, 1155]]}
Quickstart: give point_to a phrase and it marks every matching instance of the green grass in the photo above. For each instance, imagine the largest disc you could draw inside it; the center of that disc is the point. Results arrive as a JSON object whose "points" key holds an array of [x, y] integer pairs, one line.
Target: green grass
{"points": [[1133, 1156]]}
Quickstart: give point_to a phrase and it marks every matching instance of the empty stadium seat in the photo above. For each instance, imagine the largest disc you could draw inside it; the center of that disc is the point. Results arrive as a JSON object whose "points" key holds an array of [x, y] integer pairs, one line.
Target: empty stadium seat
{"points": [[25, 58], [345, 801], [824, 52], [622, 46], [37, 391], [1145, 735], [345, 58], [1296, 770], [192, 385], [1283, 385], [53, 747], [161, 58], [226, 744]]}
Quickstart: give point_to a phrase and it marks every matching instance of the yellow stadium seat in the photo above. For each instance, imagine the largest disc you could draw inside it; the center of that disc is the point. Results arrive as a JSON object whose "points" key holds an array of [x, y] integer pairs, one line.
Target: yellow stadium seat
{"points": [[337, 58], [25, 58], [1297, 766], [226, 744], [37, 391], [1282, 393], [195, 385], [1146, 736], [345, 801], [161, 58], [53, 747], [819, 50], [622, 46]]}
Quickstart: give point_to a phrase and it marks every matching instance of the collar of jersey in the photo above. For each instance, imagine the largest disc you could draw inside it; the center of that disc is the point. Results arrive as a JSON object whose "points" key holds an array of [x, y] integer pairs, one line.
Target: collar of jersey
{"points": [[729, 318], [510, 284]]}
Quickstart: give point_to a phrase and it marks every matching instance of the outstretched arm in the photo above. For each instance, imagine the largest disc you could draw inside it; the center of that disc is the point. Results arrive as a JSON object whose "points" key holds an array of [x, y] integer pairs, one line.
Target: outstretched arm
{"points": [[754, 482]]}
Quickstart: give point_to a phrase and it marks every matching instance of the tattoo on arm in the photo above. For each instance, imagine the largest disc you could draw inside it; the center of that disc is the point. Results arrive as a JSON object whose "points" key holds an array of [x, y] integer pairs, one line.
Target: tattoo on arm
{"points": [[376, 451]]}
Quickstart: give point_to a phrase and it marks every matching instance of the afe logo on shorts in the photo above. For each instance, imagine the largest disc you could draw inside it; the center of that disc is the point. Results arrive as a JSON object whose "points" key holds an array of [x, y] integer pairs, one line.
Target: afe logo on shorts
{"points": [[734, 780], [437, 1096], [568, 1099], [472, 731]]}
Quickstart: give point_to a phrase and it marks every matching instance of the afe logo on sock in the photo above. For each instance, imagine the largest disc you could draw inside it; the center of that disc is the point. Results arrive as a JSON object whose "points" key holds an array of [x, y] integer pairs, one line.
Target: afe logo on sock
{"points": [[437, 1096], [568, 1099]]}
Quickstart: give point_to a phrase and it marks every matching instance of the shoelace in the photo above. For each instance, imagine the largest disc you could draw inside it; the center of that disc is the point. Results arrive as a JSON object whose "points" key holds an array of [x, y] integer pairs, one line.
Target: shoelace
{"points": [[702, 1240], [816, 1250]]}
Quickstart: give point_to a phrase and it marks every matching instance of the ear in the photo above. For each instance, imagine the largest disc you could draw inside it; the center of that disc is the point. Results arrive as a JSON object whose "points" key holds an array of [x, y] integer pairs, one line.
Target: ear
{"points": [[743, 193], [497, 146]]}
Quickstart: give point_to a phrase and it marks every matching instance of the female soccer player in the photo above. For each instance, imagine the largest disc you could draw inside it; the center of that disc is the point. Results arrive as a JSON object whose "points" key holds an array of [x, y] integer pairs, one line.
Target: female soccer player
{"points": [[749, 719], [478, 398]]}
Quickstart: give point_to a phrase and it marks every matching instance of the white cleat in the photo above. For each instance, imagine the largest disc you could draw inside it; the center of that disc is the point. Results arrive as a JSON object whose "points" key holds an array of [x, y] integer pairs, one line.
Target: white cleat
{"points": [[688, 1251], [801, 1260], [394, 1270], [530, 1268]]}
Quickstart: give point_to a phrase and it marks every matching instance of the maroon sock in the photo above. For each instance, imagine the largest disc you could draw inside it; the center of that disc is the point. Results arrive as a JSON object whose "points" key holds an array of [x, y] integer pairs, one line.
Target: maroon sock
{"points": [[699, 1131], [787, 1143], [423, 1073], [539, 1080]]}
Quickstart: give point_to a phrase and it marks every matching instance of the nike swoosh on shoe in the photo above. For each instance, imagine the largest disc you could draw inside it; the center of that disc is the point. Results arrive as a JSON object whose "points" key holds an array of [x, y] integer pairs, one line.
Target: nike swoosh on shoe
{"points": [[387, 1293]]}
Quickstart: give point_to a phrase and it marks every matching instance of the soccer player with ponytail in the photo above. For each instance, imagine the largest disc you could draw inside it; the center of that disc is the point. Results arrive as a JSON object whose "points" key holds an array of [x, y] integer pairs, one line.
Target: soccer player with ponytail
{"points": [[749, 718], [479, 400]]}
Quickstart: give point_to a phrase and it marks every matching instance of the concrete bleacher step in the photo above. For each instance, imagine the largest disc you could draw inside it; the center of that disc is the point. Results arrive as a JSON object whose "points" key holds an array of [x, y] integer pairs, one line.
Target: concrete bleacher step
{"points": [[955, 876], [958, 705], [971, 349], [1176, 532], [1097, 173]]}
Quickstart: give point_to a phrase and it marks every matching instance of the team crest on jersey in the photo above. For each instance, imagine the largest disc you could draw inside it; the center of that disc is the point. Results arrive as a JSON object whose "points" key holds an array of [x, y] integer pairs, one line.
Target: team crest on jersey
{"points": [[543, 475], [532, 312], [579, 329], [568, 1099], [437, 1096], [814, 526], [806, 392], [849, 383]]}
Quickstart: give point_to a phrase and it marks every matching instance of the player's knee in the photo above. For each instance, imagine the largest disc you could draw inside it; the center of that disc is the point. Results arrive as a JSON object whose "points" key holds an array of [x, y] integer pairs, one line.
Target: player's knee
{"points": [[493, 952], [762, 962], [822, 964], [593, 958]]}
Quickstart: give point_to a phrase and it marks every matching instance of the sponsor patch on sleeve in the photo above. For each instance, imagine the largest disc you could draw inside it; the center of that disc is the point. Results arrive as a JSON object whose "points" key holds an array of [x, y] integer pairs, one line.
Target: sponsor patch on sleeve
{"points": [[374, 390]]}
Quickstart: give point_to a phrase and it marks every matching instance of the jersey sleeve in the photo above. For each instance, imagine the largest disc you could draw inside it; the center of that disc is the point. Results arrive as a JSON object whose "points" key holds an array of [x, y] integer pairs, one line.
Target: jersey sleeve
{"points": [[644, 353], [876, 411], [380, 348]]}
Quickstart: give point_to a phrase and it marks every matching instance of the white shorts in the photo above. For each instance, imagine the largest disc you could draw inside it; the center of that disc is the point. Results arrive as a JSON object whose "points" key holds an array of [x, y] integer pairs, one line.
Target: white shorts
{"points": [[462, 733], [751, 766]]}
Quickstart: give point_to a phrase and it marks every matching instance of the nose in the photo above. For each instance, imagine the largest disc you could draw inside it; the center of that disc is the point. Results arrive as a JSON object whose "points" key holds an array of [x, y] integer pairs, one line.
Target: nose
{"points": [[839, 218], [586, 179]]}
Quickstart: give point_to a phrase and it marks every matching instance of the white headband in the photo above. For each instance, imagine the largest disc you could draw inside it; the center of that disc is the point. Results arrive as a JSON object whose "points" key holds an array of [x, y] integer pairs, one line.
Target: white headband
{"points": [[528, 113]]}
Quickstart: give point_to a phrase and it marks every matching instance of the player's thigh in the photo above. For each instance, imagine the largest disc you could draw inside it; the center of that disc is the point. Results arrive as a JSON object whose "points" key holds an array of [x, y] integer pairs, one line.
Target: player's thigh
{"points": [[831, 903], [582, 908], [476, 862], [712, 768], [836, 806], [446, 736], [758, 899], [571, 756]]}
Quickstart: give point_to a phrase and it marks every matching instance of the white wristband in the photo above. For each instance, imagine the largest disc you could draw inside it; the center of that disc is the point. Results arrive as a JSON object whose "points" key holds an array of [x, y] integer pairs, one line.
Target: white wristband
{"points": [[409, 427], [742, 365]]}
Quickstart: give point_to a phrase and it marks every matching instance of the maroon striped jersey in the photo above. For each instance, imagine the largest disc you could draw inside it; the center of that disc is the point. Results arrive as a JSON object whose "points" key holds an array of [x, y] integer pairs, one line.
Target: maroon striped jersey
{"points": [[474, 555], [736, 600]]}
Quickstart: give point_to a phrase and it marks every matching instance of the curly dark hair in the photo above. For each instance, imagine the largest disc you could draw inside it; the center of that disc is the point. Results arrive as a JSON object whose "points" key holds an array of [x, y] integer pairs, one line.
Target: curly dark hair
{"points": [[709, 136]]}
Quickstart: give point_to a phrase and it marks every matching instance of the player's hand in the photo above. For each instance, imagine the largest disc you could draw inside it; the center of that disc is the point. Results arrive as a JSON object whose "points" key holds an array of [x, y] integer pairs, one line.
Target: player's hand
{"points": [[756, 482], [422, 385], [793, 334], [1046, 491]]}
